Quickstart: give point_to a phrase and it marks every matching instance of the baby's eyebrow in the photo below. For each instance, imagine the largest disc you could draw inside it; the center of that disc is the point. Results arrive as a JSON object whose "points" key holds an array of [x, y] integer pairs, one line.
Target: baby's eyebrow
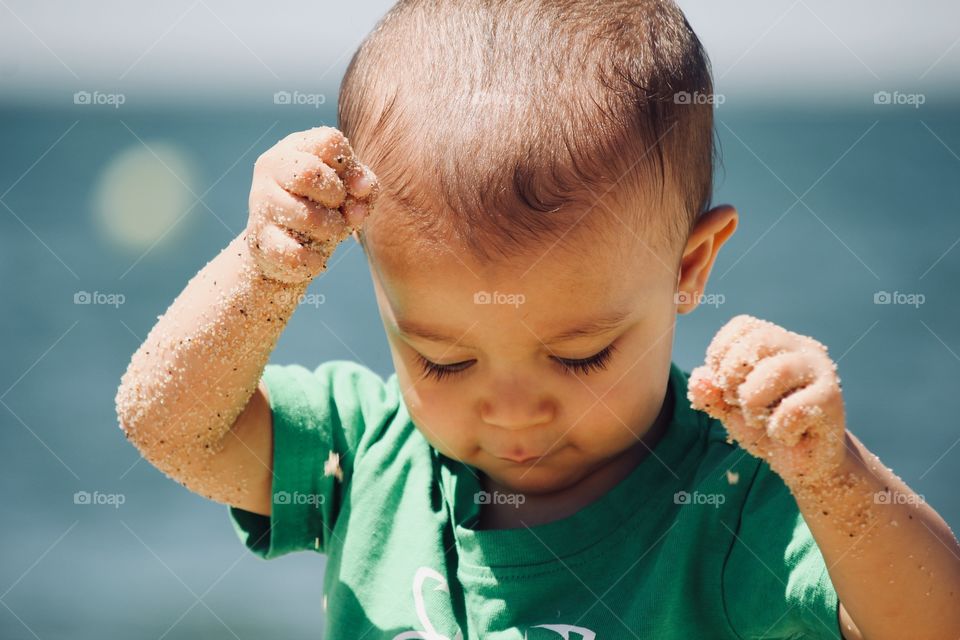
{"points": [[592, 327]]}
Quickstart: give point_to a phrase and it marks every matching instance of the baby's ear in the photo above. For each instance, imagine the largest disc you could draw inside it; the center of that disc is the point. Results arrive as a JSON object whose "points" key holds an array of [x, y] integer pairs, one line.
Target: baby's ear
{"points": [[712, 230]]}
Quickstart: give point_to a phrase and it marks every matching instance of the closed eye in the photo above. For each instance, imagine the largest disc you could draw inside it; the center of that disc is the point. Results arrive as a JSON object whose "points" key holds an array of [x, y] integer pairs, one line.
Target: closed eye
{"points": [[596, 362], [585, 366], [441, 371]]}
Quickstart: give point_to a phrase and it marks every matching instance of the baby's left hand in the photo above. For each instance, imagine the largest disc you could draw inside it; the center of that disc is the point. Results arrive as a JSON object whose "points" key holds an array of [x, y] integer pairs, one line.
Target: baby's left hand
{"points": [[778, 395]]}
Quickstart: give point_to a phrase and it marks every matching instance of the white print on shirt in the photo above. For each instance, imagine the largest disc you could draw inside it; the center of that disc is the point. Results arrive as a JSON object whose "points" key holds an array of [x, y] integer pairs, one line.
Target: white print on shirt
{"points": [[430, 633], [564, 630]]}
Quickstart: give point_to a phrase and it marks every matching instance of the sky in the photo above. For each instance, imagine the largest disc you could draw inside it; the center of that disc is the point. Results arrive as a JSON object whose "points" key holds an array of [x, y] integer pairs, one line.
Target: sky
{"points": [[194, 51]]}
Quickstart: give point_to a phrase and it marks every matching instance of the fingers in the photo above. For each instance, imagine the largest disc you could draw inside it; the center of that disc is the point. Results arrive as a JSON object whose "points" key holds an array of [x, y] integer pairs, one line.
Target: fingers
{"points": [[809, 424], [771, 380], [354, 211], [326, 143], [318, 223], [777, 394], [309, 193], [307, 175], [294, 236], [361, 182], [735, 328], [800, 414], [333, 148], [705, 395], [282, 257], [746, 353], [333, 151]]}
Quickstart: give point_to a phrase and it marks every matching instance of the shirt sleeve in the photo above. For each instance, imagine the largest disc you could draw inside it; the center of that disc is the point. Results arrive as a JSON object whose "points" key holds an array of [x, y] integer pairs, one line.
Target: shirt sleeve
{"points": [[339, 407], [775, 582]]}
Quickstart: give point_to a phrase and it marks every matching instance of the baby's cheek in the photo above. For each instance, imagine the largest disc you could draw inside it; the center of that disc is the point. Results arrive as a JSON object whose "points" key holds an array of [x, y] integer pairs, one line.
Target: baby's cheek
{"points": [[441, 419], [609, 427]]}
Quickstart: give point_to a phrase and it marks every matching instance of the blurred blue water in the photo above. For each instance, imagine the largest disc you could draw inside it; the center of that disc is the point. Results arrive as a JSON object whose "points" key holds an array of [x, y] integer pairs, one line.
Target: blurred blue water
{"points": [[881, 216]]}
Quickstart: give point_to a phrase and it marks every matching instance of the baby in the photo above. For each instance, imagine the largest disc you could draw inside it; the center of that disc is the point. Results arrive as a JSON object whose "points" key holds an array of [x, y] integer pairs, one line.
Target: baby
{"points": [[534, 202]]}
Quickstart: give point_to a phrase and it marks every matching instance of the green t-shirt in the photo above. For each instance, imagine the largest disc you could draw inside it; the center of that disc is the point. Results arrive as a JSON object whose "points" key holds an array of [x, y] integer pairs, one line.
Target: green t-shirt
{"points": [[678, 549]]}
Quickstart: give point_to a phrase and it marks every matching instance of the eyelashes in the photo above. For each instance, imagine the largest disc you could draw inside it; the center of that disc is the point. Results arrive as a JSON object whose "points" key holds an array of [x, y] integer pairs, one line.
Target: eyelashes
{"points": [[583, 366], [440, 371], [596, 362]]}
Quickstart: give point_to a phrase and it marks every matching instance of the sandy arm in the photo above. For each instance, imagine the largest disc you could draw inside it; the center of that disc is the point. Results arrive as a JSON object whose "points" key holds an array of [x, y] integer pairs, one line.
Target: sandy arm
{"points": [[199, 367], [893, 560]]}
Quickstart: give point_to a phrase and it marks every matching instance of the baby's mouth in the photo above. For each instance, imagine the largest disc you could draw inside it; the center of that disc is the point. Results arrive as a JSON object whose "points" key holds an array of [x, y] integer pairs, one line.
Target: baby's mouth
{"points": [[522, 457]]}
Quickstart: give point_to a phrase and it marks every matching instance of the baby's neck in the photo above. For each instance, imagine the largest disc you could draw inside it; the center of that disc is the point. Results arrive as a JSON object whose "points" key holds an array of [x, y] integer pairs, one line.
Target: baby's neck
{"points": [[540, 509]]}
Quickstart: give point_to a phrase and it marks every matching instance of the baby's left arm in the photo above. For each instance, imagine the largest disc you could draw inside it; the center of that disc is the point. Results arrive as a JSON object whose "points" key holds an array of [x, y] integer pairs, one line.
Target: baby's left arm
{"points": [[893, 561]]}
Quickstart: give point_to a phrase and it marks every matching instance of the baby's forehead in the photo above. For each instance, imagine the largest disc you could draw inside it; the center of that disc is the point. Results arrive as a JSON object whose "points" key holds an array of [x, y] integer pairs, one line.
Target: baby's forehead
{"points": [[501, 200], [406, 252]]}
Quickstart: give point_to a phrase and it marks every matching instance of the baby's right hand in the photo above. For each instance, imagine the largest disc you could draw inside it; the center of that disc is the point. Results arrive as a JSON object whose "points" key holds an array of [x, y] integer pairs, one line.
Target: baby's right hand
{"points": [[309, 193]]}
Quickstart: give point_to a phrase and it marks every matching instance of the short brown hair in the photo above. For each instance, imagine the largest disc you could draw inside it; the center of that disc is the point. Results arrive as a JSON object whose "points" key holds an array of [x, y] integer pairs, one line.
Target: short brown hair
{"points": [[498, 119]]}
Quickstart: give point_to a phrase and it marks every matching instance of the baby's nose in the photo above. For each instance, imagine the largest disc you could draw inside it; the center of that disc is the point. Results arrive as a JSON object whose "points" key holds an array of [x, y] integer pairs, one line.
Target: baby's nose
{"points": [[516, 411]]}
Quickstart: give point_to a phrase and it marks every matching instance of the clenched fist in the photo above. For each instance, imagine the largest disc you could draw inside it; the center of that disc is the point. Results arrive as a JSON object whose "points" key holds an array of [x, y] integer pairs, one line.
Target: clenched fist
{"points": [[309, 193], [778, 395]]}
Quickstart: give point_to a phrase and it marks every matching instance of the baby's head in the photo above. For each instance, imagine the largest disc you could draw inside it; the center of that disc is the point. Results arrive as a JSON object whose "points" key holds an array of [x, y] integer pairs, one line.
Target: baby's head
{"points": [[546, 169]]}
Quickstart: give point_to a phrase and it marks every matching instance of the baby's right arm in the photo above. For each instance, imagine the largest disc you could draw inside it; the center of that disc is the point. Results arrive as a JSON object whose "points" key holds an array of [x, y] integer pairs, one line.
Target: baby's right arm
{"points": [[191, 399]]}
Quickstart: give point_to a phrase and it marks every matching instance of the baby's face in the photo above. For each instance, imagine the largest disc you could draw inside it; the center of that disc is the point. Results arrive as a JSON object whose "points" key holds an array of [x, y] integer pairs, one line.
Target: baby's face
{"points": [[486, 357]]}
